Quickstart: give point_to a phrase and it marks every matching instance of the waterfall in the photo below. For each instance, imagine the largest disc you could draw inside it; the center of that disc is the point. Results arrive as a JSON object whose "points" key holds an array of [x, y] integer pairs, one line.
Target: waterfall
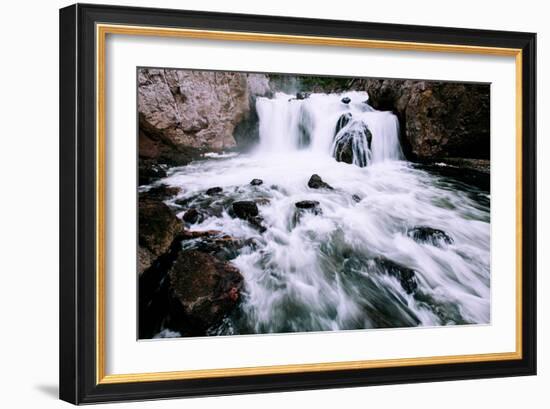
{"points": [[343, 126], [387, 244]]}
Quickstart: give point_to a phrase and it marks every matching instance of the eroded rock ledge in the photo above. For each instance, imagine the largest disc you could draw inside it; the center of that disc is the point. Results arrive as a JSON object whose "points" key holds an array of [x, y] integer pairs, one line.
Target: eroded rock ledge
{"points": [[437, 119], [183, 113]]}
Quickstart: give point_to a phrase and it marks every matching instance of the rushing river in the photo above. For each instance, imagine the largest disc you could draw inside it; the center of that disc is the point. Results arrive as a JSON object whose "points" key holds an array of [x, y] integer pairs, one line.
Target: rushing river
{"points": [[343, 267]]}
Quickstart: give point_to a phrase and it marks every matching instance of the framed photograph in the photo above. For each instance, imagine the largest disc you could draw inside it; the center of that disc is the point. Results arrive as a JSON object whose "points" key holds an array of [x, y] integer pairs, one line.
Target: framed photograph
{"points": [[258, 203]]}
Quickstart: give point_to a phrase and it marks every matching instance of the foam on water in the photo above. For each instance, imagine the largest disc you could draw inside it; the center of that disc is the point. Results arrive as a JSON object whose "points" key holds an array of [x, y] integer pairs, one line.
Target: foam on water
{"points": [[322, 272]]}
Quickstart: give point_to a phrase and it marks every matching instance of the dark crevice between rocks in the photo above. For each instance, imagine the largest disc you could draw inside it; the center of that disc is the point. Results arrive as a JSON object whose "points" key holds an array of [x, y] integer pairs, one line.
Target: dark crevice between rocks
{"points": [[247, 130]]}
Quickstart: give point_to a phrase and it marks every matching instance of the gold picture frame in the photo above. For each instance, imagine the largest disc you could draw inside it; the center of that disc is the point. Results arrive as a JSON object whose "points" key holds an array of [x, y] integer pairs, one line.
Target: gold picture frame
{"points": [[97, 20]]}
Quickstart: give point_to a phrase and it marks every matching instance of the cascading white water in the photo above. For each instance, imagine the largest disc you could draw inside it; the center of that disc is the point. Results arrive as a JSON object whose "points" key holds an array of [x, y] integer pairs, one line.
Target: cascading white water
{"points": [[287, 124], [332, 270]]}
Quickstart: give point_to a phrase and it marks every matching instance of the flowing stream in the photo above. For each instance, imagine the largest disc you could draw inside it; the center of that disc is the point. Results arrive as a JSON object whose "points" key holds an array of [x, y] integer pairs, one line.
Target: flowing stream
{"points": [[391, 245]]}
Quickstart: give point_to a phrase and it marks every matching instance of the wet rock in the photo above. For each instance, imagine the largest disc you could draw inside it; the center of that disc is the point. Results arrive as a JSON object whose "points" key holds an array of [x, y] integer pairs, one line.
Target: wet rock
{"points": [[205, 289], [302, 95], [303, 207], [343, 151], [346, 100], [315, 182], [245, 209], [356, 198], [342, 122], [405, 275], [425, 234], [357, 135], [257, 223], [248, 210], [256, 182], [161, 192], [193, 216], [214, 191], [213, 242], [157, 228], [307, 204], [479, 165], [149, 172]]}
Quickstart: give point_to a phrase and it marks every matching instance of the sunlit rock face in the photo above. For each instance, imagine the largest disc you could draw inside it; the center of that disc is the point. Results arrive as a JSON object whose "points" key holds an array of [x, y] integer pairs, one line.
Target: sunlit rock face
{"points": [[198, 109]]}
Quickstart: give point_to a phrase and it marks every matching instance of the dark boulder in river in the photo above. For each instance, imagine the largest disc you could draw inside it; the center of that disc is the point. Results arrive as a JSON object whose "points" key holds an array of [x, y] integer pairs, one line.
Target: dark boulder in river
{"points": [[244, 209], [256, 182], [425, 234], [315, 182], [206, 289], [248, 210], [158, 227], [214, 190], [192, 216], [346, 100], [307, 204], [302, 95]]}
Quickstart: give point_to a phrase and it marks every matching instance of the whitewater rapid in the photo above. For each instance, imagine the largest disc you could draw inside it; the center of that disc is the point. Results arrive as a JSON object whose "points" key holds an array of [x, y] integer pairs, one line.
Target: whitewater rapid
{"points": [[323, 271]]}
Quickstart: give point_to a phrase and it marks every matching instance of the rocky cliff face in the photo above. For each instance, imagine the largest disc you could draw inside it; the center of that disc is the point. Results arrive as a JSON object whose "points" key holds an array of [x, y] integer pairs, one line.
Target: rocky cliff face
{"points": [[185, 112], [181, 111], [437, 119]]}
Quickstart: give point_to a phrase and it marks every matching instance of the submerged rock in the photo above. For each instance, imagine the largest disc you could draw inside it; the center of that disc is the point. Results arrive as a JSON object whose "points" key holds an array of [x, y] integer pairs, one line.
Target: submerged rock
{"points": [[157, 228], [356, 198], [214, 190], [346, 100], [405, 275], [315, 182], [256, 182], [425, 234], [353, 145], [342, 122], [205, 288]]}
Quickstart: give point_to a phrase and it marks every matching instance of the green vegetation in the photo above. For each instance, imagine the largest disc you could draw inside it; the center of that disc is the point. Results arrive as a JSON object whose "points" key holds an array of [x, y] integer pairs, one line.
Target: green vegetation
{"points": [[303, 83]]}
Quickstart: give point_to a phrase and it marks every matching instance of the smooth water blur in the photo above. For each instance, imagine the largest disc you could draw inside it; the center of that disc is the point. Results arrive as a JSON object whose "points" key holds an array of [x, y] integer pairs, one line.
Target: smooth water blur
{"points": [[287, 124], [323, 272]]}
